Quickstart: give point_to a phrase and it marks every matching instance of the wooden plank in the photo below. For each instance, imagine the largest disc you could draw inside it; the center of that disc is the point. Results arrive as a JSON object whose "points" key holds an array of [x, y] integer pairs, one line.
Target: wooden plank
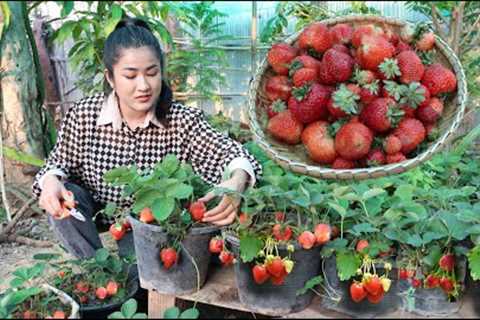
{"points": [[158, 303]]}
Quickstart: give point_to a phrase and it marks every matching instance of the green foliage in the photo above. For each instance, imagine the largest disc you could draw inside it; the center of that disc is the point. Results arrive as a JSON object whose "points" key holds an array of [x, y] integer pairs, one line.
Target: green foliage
{"points": [[347, 264], [175, 313], [474, 262], [128, 311], [22, 157], [310, 284]]}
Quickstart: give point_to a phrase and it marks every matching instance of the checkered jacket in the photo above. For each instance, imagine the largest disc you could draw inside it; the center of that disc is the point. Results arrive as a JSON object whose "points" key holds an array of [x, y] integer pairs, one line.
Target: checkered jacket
{"points": [[85, 151]]}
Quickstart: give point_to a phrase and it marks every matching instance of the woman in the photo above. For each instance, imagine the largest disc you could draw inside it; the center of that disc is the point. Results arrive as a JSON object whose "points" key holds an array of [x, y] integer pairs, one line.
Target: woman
{"points": [[134, 122]]}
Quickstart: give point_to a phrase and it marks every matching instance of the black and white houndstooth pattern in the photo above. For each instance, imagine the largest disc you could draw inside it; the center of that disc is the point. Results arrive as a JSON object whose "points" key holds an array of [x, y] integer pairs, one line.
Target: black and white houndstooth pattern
{"points": [[85, 151]]}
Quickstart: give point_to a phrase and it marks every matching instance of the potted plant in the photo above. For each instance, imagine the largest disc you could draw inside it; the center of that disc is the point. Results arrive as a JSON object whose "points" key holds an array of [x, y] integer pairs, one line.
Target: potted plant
{"points": [[100, 284], [170, 242], [28, 298]]}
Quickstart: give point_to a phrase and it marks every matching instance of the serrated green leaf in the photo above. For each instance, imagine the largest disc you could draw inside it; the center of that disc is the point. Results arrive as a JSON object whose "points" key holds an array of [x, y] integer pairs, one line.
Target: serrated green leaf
{"points": [[404, 192], [162, 208], [341, 211], [347, 264], [332, 246], [415, 240], [101, 255], [365, 227], [17, 282], [474, 263], [170, 164], [180, 191], [249, 247], [372, 193], [310, 284]]}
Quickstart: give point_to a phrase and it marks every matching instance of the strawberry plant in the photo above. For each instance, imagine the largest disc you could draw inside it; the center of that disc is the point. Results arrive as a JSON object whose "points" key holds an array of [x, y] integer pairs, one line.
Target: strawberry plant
{"points": [[128, 311]]}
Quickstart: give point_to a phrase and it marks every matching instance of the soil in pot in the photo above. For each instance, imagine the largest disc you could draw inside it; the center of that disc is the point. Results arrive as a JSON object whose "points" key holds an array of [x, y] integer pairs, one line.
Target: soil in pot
{"points": [[181, 278], [272, 299]]}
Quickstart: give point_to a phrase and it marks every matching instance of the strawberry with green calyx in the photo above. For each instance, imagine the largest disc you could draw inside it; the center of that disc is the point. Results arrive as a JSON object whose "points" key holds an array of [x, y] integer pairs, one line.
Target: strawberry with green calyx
{"points": [[373, 51], [323, 233], [363, 77], [392, 90], [447, 262], [381, 115], [343, 102], [282, 232], [260, 274], [369, 92], [357, 291], [375, 157], [439, 79], [216, 245], [285, 127], [318, 142], [309, 103], [226, 258], [390, 69], [432, 281], [316, 36], [279, 57], [197, 210], [168, 256], [117, 231], [338, 64], [278, 87], [414, 94], [304, 76], [275, 108]]}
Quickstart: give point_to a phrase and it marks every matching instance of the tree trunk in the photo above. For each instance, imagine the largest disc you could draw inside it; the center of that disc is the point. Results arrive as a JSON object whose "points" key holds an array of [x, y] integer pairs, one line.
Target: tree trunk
{"points": [[24, 121]]}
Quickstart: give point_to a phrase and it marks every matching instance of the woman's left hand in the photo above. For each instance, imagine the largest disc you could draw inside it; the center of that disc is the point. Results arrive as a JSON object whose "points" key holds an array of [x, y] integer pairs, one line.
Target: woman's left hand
{"points": [[226, 211]]}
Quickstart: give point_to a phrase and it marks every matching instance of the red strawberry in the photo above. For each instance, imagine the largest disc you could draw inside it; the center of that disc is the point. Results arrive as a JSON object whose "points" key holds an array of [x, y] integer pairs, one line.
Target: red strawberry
{"points": [[430, 112], [101, 293], [276, 268], [309, 103], [338, 64], [432, 281], [391, 35], [373, 51], [316, 36], [395, 157], [439, 79], [357, 291], [392, 144], [426, 42], [402, 46], [215, 245], [279, 216], [82, 287], [278, 281], [376, 298], [432, 131], [363, 77], [403, 274], [361, 244], [117, 231], [126, 225], [304, 76], [285, 127], [364, 30], [112, 288], [324, 76], [280, 56], [447, 284], [197, 210], [416, 282], [411, 67], [318, 142], [341, 33], [447, 262], [146, 215], [341, 48], [29, 315], [275, 108], [281, 233], [226, 258], [278, 87], [307, 240], [243, 218], [323, 233], [168, 257], [340, 163], [353, 141], [411, 133], [304, 61], [260, 274], [373, 285], [83, 299], [376, 158], [59, 315], [369, 93], [381, 114]]}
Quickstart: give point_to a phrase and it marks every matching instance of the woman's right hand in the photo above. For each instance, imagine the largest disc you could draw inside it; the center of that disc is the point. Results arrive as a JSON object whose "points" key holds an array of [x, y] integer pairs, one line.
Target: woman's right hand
{"points": [[52, 195]]}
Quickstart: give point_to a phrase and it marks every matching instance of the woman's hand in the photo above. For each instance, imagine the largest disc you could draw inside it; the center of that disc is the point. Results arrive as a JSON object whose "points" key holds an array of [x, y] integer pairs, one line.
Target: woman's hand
{"points": [[226, 211], [53, 193]]}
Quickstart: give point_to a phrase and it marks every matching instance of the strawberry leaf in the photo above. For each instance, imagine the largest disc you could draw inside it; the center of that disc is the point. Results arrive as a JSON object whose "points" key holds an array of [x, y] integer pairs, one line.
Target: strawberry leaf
{"points": [[249, 247], [310, 284], [474, 263], [347, 264]]}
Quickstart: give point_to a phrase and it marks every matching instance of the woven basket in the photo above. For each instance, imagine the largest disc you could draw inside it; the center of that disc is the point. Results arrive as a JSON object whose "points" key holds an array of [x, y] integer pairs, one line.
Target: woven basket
{"points": [[295, 158]]}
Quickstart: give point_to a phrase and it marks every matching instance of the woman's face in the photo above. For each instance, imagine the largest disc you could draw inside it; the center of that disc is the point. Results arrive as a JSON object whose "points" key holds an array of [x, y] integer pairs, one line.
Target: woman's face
{"points": [[137, 79]]}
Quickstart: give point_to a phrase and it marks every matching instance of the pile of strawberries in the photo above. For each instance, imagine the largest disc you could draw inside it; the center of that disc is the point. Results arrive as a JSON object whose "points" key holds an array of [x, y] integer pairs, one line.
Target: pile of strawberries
{"points": [[370, 286], [356, 96], [83, 290]]}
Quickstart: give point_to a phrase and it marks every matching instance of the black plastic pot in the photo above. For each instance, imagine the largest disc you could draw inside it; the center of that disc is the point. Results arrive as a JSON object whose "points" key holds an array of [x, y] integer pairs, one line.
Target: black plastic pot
{"points": [[271, 299], [103, 311], [344, 303], [180, 278]]}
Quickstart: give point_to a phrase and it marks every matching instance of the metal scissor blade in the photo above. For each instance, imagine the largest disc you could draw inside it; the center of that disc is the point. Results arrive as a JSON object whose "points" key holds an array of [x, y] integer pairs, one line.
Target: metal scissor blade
{"points": [[77, 215]]}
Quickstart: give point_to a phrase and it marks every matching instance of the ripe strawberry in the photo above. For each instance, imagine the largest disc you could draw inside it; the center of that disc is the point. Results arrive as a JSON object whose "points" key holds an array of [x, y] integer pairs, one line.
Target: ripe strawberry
{"points": [[82, 287], [432, 281], [285, 127], [373, 51], [416, 282], [309, 103], [338, 64], [281, 233], [381, 114], [168, 257], [344, 101], [430, 112], [341, 163], [61, 274], [316, 36], [303, 61], [361, 244], [447, 262], [280, 56], [439, 79], [278, 281], [101, 293], [117, 231], [411, 133], [414, 95], [226, 258], [403, 274], [391, 36], [112, 288], [365, 30], [357, 291], [29, 315], [276, 268], [146, 215], [275, 108], [83, 299], [389, 69], [373, 285], [447, 285], [126, 225], [341, 33], [426, 42], [215, 245], [324, 76], [243, 218], [353, 141], [323, 233], [279, 216], [369, 92], [376, 298], [260, 274], [341, 48], [363, 77], [278, 87], [59, 315], [392, 144], [411, 67], [307, 240], [375, 158], [395, 157], [402, 46], [197, 210], [432, 131], [304, 76], [318, 142]]}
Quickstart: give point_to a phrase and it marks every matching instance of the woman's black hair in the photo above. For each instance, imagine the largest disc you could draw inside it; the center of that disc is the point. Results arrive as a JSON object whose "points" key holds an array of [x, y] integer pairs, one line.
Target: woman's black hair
{"points": [[135, 33]]}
